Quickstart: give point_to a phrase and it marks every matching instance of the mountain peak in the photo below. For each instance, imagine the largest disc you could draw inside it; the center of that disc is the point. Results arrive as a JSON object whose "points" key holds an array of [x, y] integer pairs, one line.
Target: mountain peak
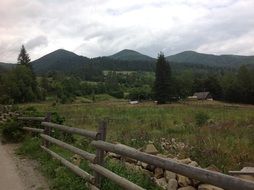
{"points": [[62, 52], [131, 55]]}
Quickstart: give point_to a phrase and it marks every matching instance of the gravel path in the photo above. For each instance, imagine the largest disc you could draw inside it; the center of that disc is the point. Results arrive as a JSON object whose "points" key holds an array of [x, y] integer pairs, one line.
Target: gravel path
{"points": [[19, 173]]}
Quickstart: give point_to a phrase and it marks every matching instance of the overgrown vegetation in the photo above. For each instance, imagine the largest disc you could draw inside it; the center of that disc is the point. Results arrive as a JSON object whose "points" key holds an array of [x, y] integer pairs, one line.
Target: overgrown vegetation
{"points": [[21, 85], [12, 132], [225, 139], [61, 178]]}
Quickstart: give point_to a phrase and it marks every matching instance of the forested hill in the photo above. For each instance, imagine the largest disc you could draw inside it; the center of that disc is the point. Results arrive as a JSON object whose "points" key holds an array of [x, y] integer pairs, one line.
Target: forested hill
{"points": [[211, 60], [6, 65], [68, 62], [131, 55], [60, 60], [128, 60]]}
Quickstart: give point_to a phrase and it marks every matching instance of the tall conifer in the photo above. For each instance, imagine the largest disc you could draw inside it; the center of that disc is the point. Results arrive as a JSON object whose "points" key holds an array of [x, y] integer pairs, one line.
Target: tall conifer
{"points": [[162, 80], [24, 58]]}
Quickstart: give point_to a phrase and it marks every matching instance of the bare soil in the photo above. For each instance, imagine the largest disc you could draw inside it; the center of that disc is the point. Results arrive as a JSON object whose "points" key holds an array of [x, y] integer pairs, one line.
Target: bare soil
{"points": [[17, 173]]}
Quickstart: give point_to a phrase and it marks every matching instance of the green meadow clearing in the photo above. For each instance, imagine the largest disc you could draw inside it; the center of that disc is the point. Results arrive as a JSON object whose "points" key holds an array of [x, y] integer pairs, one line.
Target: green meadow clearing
{"points": [[216, 133]]}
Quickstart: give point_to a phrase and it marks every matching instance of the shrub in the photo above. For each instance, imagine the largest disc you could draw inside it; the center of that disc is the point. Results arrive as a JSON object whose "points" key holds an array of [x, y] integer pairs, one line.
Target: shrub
{"points": [[201, 118], [12, 131], [56, 118]]}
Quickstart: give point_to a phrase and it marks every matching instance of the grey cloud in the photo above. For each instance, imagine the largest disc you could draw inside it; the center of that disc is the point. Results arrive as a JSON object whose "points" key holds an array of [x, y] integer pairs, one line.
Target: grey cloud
{"points": [[99, 27], [37, 42]]}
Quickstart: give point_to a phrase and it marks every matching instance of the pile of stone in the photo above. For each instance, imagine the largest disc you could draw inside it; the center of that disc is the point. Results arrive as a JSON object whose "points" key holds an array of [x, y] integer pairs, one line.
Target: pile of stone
{"points": [[6, 114], [165, 179]]}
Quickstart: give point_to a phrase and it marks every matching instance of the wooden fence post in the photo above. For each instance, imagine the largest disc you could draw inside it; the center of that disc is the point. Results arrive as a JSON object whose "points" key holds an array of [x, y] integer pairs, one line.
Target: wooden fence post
{"points": [[100, 153], [47, 130]]}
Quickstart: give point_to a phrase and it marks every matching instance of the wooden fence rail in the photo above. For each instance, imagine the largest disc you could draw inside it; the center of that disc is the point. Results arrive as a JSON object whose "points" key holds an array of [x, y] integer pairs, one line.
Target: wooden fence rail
{"points": [[203, 175], [72, 130], [82, 153], [97, 160]]}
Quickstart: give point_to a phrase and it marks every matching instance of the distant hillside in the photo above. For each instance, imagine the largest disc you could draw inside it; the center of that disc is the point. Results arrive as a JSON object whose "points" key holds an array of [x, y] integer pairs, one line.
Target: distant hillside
{"points": [[211, 60], [7, 65], [69, 62], [59, 60], [131, 55], [129, 60]]}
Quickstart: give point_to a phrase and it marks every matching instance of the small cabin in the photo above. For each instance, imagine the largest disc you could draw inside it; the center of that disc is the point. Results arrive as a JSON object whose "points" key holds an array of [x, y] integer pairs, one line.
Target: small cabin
{"points": [[203, 95]]}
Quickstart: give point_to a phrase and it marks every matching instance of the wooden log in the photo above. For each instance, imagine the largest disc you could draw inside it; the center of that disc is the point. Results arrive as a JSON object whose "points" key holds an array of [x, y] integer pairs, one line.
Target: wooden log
{"points": [[240, 173], [122, 182], [82, 153], [71, 166], [100, 155], [92, 187], [214, 178], [31, 118], [36, 130], [47, 130], [82, 132]]}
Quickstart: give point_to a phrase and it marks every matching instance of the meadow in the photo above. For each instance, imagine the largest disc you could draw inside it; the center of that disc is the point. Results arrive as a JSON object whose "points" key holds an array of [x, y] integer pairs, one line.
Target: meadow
{"points": [[215, 133]]}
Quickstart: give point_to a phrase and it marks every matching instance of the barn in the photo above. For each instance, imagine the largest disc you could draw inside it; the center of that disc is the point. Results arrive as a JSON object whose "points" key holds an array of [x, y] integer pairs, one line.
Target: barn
{"points": [[203, 95]]}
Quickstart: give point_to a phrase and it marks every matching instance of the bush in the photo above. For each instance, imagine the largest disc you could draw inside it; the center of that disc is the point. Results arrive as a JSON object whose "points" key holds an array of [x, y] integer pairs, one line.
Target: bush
{"points": [[117, 94], [67, 137], [201, 118], [12, 131]]}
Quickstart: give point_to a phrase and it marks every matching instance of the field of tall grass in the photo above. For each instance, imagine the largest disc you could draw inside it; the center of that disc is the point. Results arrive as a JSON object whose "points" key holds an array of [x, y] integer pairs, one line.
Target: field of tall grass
{"points": [[216, 133]]}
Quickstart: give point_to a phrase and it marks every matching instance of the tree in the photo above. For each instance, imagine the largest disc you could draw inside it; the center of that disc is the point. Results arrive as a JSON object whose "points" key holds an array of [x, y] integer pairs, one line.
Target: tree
{"points": [[162, 80], [24, 58]]}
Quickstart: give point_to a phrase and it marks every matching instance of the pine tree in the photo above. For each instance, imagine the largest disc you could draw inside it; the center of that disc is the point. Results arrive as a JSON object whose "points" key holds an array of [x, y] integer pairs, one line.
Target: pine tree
{"points": [[24, 58], [162, 80]]}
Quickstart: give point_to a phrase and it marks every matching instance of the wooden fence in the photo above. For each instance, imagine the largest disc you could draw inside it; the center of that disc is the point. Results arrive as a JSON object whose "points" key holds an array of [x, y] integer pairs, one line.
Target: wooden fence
{"points": [[96, 160]]}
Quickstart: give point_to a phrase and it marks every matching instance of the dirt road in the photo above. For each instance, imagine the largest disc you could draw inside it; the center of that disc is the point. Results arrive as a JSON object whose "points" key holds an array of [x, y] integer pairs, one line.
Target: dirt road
{"points": [[19, 173]]}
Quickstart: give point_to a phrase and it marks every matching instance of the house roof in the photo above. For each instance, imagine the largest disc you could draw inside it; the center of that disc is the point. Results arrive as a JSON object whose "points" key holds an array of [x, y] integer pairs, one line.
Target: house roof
{"points": [[201, 95]]}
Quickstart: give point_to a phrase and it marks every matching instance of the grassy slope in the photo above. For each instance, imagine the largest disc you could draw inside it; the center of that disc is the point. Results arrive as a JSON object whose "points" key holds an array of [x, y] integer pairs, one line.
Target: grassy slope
{"points": [[227, 142]]}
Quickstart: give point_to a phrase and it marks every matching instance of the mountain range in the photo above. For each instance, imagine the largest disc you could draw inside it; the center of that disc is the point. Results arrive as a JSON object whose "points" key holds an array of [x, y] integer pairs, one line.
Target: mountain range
{"points": [[68, 62]]}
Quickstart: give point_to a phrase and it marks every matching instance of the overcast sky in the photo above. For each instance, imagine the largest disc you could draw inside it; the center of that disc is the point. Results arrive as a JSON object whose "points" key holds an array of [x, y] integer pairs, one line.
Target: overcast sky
{"points": [[102, 27]]}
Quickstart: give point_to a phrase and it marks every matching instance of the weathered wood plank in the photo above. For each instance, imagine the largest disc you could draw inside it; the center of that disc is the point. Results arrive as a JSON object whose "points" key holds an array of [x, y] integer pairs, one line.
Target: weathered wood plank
{"points": [[36, 130], [82, 153], [122, 182], [47, 130], [214, 178], [100, 153], [82, 132], [71, 166]]}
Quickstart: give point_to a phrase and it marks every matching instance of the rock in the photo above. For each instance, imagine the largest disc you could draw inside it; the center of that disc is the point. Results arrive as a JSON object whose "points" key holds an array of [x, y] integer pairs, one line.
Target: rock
{"points": [[169, 175], [114, 155], [158, 173], [193, 163], [146, 172], [132, 166], [213, 168], [208, 187], [187, 188], [150, 167], [247, 177], [161, 182], [150, 149], [183, 181], [172, 184], [130, 160], [76, 159], [144, 165], [186, 161], [161, 155]]}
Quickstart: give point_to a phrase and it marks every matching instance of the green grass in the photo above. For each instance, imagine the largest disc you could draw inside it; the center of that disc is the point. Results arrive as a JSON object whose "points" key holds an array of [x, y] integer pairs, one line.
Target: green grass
{"points": [[227, 141], [61, 178]]}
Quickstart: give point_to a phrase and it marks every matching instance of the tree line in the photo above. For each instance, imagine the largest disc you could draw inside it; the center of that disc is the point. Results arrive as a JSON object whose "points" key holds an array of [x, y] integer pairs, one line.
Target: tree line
{"points": [[164, 85]]}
